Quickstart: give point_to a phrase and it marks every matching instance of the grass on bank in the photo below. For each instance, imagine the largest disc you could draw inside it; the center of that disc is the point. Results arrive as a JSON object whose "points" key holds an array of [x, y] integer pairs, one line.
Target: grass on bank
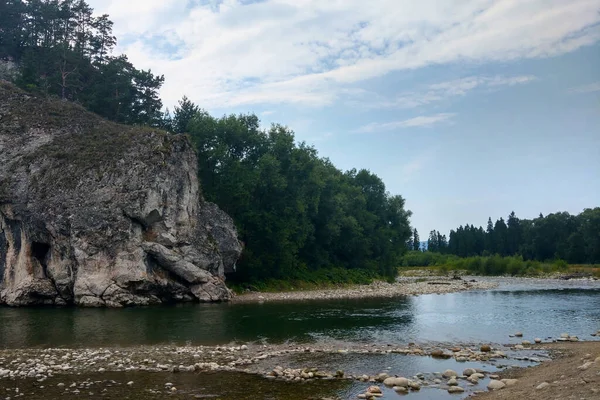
{"points": [[309, 280], [495, 265]]}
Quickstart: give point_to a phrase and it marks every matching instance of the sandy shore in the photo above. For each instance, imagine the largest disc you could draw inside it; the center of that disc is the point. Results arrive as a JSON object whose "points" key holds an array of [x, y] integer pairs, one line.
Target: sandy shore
{"points": [[405, 286], [573, 374]]}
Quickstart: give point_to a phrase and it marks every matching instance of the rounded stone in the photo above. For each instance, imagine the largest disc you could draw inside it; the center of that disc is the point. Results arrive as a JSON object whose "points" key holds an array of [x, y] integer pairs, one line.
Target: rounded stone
{"points": [[496, 385]]}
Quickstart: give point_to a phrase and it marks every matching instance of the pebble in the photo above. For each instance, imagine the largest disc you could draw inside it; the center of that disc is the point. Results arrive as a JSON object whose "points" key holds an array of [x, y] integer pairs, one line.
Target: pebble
{"points": [[542, 385], [510, 382]]}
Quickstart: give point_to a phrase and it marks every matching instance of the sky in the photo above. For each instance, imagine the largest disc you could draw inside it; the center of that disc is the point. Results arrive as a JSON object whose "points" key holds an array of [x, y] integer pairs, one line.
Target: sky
{"points": [[469, 109]]}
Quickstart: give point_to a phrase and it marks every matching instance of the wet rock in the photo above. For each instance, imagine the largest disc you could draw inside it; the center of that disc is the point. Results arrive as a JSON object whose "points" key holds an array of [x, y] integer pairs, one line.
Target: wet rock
{"points": [[401, 382], [374, 389], [400, 389], [519, 334], [452, 382], [486, 348], [455, 389], [468, 372], [449, 374]]}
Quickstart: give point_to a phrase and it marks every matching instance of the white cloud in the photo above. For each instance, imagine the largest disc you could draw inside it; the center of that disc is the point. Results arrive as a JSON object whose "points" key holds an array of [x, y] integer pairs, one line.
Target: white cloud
{"points": [[441, 91], [420, 121], [589, 88], [308, 51]]}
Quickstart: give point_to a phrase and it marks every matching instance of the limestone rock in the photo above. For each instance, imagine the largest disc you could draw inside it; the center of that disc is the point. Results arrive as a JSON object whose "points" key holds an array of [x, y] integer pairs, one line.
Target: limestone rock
{"points": [[98, 214], [496, 385], [449, 374], [542, 385], [400, 382]]}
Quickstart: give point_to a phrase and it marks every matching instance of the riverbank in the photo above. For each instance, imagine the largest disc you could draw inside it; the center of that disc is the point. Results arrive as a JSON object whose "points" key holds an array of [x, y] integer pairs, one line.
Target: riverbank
{"points": [[296, 372], [404, 286], [574, 373]]}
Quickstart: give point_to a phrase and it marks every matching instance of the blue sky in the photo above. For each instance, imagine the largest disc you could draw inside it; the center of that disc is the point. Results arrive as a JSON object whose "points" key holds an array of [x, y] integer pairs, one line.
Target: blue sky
{"points": [[468, 109]]}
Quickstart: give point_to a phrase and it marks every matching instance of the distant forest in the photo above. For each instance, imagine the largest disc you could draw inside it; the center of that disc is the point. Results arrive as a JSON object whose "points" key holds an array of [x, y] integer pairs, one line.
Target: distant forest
{"points": [[573, 238]]}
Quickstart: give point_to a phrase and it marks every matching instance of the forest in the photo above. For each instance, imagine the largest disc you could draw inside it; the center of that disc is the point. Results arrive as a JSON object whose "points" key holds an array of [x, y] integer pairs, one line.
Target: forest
{"points": [[299, 217], [556, 236]]}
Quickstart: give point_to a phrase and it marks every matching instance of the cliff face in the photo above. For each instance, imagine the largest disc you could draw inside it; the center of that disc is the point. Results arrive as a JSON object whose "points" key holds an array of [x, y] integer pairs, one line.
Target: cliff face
{"points": [[97, 214]]}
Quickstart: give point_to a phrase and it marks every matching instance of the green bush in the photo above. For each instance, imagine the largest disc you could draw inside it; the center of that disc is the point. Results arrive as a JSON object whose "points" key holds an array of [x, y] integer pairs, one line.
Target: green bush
{"points": [[483, 265]]}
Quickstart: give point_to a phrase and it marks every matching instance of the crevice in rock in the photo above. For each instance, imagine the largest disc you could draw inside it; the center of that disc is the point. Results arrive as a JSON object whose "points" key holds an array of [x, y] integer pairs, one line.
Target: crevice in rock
{"points": [[40, 252]]}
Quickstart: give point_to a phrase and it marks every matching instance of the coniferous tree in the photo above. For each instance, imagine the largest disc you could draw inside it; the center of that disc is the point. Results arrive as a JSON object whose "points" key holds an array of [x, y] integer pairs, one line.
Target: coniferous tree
{"points": [[416, 244]]}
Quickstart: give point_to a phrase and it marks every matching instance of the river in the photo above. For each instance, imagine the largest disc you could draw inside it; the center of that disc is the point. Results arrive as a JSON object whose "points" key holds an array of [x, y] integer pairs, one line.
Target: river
{"points": [[538, 308]]}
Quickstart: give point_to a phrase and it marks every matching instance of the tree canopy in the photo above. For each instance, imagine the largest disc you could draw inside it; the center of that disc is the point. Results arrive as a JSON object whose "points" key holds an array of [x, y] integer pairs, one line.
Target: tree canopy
{"points": [[295, 211], [65, 51], [574, 238]]}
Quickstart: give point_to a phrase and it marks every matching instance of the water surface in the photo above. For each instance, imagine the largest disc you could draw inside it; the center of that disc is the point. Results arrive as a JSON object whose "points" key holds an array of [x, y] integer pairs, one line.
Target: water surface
{"points": [[539, 309]]}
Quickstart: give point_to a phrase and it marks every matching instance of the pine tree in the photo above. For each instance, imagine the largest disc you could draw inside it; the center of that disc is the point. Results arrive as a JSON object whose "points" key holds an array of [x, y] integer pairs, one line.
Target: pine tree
{"points": [[416, 244], [184, 111]]}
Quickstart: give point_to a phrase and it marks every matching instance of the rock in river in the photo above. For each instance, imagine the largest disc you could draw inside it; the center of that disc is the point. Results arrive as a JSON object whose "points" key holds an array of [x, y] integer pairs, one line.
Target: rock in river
{"points": [[93, 213]]}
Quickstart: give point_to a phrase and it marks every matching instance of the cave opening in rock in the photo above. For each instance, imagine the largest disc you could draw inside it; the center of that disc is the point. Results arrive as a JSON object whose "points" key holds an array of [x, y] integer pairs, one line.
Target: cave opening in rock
{"points": [[40, 251]]}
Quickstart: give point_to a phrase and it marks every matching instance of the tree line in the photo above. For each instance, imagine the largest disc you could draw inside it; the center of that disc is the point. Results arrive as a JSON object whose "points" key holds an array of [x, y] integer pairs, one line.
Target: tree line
{"points": [[573, 238], [62, 49], [295, 211]]}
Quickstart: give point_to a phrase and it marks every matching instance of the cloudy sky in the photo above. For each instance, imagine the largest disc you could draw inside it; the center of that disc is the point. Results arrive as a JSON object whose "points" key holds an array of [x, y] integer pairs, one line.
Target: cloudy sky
{"points": [[467, 108]]}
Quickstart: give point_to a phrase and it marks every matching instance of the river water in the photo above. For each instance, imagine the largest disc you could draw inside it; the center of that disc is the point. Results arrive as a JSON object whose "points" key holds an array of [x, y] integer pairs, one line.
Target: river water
{"points": [[538, 308]]}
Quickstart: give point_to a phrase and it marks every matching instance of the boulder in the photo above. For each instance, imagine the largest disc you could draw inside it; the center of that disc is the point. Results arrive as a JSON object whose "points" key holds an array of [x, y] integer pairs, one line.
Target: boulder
{"points": [[468, 371], [97, 214], [392, 381], [449, 374], [510, 382], [496, 385]]}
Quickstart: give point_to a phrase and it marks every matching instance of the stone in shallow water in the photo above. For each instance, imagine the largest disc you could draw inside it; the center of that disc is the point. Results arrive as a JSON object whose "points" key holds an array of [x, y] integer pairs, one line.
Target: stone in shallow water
{"points": [[449, 373], [455, 389]]}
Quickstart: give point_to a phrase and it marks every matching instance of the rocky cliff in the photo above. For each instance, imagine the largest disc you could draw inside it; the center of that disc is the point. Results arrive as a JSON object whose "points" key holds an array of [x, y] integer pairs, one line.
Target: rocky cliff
{"points": [[98, 214]]}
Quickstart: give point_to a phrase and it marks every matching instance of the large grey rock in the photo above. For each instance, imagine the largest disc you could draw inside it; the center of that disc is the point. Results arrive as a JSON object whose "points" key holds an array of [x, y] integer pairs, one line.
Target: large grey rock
{"points": [[98, 214]]}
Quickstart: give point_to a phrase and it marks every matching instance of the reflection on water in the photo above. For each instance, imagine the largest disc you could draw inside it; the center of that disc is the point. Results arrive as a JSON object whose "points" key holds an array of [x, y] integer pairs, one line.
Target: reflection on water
{"points": [[469, 316]]}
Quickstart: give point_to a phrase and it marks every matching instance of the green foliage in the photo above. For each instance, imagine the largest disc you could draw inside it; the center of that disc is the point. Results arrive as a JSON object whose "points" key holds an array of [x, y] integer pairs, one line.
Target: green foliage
{"points": [[479, 265], [296, 213], [63, 50], [573, 238], [308, 279]]}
